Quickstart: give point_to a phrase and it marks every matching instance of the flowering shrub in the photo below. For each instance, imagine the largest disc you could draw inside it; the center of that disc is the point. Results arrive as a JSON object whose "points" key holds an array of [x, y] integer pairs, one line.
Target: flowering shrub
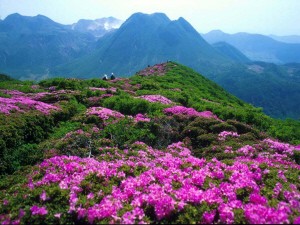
{"points": [[279, 147], [181, 110], [94, 101], [159, 69], [97, 168], [13, 92], [121, 186], [52, 95], [140, 117], [22, 103], [112, 89], [247, 150], [222, 136], [104, 113], [156, 98]]}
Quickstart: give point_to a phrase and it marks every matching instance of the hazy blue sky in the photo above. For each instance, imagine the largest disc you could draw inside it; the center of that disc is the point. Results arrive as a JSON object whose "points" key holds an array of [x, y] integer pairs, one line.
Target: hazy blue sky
{"points": [[280, 17]]}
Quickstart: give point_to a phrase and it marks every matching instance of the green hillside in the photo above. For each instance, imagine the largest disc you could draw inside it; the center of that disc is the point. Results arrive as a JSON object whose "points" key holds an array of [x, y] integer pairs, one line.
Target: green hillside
{"points": [[231, 52], [166, 145], [150, 39]]}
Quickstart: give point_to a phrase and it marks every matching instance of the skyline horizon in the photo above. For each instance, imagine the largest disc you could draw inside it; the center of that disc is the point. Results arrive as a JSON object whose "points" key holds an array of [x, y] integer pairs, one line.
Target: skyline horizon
{"points": [[216, 29], [267, 17]]}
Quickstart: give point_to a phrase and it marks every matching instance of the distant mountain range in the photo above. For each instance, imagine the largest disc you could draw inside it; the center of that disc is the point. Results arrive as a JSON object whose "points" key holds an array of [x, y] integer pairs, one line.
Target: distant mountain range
{"points": [[31, 46], [37, 48], [258, 47], [288, 39], [143, 40], [231, 52]]}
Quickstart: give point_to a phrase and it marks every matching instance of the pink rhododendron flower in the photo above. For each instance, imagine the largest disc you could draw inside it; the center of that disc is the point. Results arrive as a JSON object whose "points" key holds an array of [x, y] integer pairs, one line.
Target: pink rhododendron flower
{"points": [[181, 110], [13, 104], [43, 196], [208, 217], [104, 113], [156, 98], [35, 210], [222, 136], [140, 117]]}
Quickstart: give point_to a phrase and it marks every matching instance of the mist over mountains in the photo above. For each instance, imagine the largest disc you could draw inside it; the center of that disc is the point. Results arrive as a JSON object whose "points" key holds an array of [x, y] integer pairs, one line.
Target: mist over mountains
{"points": [[97, 27], [255, 68]]}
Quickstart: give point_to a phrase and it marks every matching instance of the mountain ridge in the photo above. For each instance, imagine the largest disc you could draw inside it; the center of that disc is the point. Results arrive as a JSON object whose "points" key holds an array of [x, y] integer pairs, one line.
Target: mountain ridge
{"points": [[135, 45], [258, 47], [140, 32]]}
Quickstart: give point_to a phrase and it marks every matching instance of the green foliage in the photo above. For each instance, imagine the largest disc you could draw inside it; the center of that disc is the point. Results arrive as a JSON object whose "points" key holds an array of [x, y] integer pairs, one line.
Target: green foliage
{"points": [[167, 130], [192, 214], [17, 132], [23, 86], [63, 128], [125, 132], [72, 84], [69, 109], [128, 105], [27, 154], [286, 130], [239, 217], [296, 156], [20, 132], [218, 128]]}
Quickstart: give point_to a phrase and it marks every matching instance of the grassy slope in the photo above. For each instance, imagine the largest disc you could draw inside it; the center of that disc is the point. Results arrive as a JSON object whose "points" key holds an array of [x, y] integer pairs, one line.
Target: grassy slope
{"points": [[178, 83]]}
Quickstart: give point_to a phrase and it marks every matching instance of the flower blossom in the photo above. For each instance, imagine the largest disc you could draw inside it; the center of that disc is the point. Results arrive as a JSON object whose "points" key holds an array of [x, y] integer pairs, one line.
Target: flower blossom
{"points": [[156, 98]]}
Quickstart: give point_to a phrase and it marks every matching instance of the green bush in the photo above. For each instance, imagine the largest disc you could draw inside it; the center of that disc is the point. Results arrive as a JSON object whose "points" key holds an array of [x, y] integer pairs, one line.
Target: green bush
{"points": [[128, 105], [241, 128], [296, 157], [217, 128], [205, 140], [126, 132]]}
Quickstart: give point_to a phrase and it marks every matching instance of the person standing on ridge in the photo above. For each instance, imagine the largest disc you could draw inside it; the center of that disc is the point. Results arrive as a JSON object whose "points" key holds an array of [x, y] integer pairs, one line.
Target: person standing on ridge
{"points": [[112, 77], [105, 77]]}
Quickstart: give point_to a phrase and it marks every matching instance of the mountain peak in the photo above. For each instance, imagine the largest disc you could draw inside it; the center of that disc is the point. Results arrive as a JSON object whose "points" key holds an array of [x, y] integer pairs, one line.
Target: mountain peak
{"points": [[142, 18], [216, 32], [13, 17], [18, 20], [186, 25], [152, 15]]}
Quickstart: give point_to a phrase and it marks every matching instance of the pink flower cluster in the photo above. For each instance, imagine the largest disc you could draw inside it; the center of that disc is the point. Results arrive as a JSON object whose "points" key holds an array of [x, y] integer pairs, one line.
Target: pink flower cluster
{"points": [[181, 110], [13, 92], [247, 150], [222, 136], [35, 210], [158, 69], [111, 89], [156, 98], [171, 180], [57, 94], [267, 151], [95, 100], [279, 147], [140, 117], [20, 103], [104, 113]]}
